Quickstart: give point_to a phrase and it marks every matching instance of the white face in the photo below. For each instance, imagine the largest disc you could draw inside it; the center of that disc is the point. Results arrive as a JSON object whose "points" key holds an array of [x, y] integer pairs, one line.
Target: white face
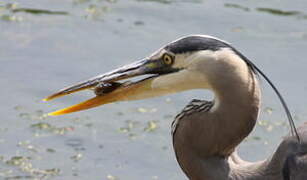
{"points": [[189, 77], [196, 69]]}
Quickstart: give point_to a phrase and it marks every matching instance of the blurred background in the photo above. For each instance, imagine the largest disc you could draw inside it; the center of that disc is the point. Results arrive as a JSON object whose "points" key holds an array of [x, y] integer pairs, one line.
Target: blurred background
{"points": [[46, 45]]}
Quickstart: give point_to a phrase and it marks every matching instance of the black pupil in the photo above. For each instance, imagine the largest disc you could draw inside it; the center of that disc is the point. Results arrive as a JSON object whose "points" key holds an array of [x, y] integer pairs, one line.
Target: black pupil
{"points": [[167, 59]]}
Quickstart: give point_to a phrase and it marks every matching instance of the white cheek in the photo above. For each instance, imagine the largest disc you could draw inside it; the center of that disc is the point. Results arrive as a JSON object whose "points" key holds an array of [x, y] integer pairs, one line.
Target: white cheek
{"points": [[180, 81], [181, 61], [192, 60]]}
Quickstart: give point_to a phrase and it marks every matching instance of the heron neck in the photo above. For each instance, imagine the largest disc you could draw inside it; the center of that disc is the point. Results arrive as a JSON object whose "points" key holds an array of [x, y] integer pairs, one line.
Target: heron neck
{"points": [[236, 108], [203, 152], [238, 103], [205, 142]]}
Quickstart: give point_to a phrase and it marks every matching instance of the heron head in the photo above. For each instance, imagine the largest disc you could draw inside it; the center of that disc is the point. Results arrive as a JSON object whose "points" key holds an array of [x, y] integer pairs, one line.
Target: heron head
{"points": [[176, 67]]}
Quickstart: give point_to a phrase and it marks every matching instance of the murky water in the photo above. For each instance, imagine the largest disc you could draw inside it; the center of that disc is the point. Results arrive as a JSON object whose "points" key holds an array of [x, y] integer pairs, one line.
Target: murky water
{"points": [[47, 45]]}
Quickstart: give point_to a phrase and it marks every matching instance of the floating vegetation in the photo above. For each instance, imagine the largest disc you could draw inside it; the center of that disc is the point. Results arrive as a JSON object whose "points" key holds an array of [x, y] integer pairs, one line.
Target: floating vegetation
{"points": [[80, 1], [132, 136], [278, 12], [142, 110], [76, 2], [96, 12], [46, 127], [24, 165], [77, 157], [133, 128], [254, 138], [39, 11], [257, 138], [17, 160], [94, 9], [50, 150], [268, 126], [159, 1], [5, 172], [10, 18], [37, 115], [111, 1], [172, 1], [124, 130], [151, 126], [8, 11], [129, 125], [268, 110], [19, 108], [28, 146], [6, 15], [18, 177], [111, 177], [272, 11], [263, 122], [237, 6], [145, 110]]}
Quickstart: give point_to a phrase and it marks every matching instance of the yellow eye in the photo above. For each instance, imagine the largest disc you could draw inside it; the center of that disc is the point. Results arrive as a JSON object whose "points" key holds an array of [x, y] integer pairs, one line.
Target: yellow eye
{"points": [[167, 59]]}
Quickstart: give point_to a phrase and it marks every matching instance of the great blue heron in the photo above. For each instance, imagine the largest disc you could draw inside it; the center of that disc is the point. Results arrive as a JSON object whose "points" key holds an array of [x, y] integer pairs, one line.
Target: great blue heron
{"points": [[205, 133]]}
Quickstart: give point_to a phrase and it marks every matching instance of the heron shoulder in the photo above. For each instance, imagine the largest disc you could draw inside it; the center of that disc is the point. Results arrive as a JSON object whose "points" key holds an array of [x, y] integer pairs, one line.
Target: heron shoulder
{"points": [[295, 164]]}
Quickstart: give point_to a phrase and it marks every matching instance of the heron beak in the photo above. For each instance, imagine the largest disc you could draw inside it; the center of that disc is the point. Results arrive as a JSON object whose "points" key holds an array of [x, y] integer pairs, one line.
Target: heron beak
{"points": [[107, 88]]}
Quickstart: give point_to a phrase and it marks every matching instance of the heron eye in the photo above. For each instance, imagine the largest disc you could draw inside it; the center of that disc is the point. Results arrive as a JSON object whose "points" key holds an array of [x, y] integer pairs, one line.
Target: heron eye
{"points": [[167, 59]]}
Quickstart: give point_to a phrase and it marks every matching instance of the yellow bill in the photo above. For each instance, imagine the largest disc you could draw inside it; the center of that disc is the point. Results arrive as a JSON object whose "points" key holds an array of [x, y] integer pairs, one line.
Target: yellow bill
{"points": [[129, 91], [108, 89]]}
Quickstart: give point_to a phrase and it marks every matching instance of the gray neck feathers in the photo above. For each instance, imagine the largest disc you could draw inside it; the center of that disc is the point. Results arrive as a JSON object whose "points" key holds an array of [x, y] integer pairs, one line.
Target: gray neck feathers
{"points": [[203, 141]]}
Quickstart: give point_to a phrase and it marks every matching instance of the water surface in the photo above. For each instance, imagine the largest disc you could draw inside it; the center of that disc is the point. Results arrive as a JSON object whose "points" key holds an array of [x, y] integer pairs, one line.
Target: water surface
{"points": [[47, 45]]}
